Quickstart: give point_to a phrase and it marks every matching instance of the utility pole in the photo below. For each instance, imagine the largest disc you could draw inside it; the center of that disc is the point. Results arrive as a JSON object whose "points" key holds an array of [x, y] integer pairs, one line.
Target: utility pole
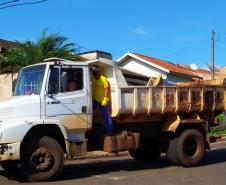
{"points": [[212, 56]]}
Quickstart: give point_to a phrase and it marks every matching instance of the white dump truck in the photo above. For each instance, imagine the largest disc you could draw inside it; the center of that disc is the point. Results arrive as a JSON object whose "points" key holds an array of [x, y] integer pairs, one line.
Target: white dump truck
{"points": [[44, 123]]}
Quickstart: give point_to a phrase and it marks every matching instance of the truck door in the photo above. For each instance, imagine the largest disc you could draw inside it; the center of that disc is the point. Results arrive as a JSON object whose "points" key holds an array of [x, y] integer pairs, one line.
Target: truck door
{"points": [[67, 98]]}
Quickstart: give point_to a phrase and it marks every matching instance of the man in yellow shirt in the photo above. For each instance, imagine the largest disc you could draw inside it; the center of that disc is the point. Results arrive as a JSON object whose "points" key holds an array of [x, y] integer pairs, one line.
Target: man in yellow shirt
{"points": [[101, 96]]}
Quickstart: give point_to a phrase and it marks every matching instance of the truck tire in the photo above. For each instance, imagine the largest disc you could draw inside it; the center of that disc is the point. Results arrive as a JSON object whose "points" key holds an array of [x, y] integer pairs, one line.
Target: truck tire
{"points": [[42, 158], [145, 154], [190, 147], [172, 152]]}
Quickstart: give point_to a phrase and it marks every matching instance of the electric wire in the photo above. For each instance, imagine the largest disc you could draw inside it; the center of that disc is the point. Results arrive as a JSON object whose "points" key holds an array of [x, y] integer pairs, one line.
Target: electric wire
{"points": [[4, 3], [22, 4]]}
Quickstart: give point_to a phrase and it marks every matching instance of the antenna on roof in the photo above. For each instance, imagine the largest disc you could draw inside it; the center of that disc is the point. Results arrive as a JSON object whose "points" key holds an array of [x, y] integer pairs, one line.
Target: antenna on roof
{"points": [[193, 67]]}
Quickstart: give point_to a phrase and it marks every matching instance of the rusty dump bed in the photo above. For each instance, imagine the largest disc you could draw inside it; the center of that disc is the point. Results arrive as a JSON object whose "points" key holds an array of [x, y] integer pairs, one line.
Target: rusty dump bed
{"points": [[186, 97]]}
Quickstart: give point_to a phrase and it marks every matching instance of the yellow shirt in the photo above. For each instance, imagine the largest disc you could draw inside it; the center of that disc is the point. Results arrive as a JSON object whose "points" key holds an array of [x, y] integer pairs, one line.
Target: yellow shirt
{"points": [[98, 87]]}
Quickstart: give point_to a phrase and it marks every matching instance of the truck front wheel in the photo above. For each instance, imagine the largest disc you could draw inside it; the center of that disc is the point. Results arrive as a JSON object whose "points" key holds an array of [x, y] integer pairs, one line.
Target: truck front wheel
{"points": [[42, 159]]}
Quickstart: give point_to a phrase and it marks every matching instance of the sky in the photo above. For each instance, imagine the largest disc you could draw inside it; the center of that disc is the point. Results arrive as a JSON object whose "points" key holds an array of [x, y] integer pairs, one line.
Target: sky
{"points": [[178, 31]]}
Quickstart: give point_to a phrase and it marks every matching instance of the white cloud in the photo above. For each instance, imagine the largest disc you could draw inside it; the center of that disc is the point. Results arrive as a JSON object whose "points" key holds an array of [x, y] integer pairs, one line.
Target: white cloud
{"points": [[141, 31]]}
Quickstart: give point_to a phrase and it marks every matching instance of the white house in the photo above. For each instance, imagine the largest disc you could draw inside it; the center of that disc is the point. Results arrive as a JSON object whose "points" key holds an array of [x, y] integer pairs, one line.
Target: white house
{"points": [[146, 67]]}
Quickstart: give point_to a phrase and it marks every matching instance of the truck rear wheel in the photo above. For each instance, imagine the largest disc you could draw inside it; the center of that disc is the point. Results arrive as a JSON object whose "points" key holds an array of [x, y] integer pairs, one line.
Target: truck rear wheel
{"points": [[191, 147], [172, 152], [187, 149], [42, 159]]}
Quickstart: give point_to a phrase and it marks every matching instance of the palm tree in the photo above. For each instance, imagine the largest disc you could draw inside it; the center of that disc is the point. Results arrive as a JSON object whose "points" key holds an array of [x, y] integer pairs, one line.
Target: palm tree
{"points": [[26, 53]]}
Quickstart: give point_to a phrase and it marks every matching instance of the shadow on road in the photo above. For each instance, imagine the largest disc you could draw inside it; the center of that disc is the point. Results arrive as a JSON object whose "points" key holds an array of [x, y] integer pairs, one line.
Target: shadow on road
{"points": [[101, 167], [75, 171], [1, 172], [214, 156]]}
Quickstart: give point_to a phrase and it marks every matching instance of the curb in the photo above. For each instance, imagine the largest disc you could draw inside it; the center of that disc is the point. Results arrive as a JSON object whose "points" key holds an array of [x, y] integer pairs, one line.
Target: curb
{"points": [[217, 139], [102, 154]]}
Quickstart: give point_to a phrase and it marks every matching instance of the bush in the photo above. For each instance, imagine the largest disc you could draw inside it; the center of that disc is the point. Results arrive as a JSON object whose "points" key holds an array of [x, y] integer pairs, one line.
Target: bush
{"points": [[220, 118], [217, 131]]}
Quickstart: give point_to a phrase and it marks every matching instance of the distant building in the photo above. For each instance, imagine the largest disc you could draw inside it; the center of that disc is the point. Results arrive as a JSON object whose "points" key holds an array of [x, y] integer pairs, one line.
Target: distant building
{"points": [[203, 73], [206, 74], [95, 54], [222, 72], [5, 44], [146, 67]]}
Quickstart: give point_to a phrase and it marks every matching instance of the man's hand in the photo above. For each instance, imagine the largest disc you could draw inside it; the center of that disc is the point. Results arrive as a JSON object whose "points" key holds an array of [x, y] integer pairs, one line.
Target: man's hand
{"points": [[105, 101]]}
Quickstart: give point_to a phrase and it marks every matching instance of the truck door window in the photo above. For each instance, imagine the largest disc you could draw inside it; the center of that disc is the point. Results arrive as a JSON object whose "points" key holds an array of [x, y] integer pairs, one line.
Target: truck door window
{"points": [[65, 79], [71, 79], [53, 87]]}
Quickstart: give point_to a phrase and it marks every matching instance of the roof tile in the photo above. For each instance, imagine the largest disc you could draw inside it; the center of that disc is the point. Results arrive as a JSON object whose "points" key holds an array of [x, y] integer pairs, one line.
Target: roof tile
{"points": [[167, 65]]}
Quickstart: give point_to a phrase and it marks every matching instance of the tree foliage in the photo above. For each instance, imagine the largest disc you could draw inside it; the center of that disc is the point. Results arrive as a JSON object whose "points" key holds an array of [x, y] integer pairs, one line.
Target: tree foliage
{"points": [[28, 52]]}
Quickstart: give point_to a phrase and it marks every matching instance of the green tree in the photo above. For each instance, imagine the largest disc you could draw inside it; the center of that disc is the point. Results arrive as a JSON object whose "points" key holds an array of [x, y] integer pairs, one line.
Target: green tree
{"points": [[28, 52]]}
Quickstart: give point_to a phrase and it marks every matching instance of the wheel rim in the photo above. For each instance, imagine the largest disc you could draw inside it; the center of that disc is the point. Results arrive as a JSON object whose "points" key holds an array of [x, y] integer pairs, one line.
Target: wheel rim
{"points": [[190, 147], [42, 160]]}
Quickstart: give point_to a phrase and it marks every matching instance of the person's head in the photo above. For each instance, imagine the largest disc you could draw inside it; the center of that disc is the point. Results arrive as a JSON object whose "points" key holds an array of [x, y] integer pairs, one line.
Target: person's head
{"points": [[72, 86], [95, 71]]}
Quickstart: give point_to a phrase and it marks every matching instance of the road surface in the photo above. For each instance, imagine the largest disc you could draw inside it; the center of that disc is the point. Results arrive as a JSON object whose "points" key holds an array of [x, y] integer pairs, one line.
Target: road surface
{"points": [[126, 171]]}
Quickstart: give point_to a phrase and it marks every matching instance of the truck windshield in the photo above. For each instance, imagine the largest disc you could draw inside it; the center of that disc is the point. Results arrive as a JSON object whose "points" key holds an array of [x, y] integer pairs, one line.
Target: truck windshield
{"points": [[30, 80]]}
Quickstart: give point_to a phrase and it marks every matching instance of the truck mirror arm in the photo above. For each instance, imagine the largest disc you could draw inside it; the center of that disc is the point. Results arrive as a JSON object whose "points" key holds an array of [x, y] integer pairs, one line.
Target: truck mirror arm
{"points": [[55, 101]]}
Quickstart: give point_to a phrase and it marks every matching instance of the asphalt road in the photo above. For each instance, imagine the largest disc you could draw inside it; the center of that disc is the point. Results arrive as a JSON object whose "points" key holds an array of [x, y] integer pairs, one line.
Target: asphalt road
{"points": [[126, 171]]}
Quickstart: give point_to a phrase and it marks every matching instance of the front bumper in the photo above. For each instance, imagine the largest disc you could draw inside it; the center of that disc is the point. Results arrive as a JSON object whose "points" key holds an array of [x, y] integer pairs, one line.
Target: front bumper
{"points": [[10, 151]]}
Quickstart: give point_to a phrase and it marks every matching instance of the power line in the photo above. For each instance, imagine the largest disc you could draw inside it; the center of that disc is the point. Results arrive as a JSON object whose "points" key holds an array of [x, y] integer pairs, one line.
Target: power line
{"points": [[22, 4], [9, 2]]}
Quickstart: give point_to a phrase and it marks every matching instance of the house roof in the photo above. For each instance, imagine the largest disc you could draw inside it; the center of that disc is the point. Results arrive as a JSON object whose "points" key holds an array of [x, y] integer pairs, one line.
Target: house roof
{"points": [[223, 70], [6, 44], [161, 64], [197, 71]]}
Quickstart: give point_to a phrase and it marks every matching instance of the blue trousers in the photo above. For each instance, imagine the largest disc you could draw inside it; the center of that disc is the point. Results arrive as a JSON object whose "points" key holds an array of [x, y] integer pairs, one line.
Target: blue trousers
{"points": [[105, 111]]}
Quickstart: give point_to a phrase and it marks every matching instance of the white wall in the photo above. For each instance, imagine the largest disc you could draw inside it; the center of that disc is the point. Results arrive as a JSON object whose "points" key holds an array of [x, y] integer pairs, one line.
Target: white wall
{"points": [[141, 68], [6, 85]]}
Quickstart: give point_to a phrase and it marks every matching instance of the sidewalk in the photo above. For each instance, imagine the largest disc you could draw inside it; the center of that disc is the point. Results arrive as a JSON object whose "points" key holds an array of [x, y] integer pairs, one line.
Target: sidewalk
{"points": [[100, 154]]}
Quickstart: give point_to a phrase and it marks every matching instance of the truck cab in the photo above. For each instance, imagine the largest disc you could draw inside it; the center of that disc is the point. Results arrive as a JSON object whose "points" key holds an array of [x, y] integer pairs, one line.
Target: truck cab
{"points": [[42, 104], [44, 112]]}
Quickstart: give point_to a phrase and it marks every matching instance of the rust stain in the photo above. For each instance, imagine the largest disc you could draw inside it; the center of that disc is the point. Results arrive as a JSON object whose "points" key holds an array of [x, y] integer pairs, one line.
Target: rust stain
{"points": [[184, 97], [170, 99], [171, 123], [75, 121]]}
